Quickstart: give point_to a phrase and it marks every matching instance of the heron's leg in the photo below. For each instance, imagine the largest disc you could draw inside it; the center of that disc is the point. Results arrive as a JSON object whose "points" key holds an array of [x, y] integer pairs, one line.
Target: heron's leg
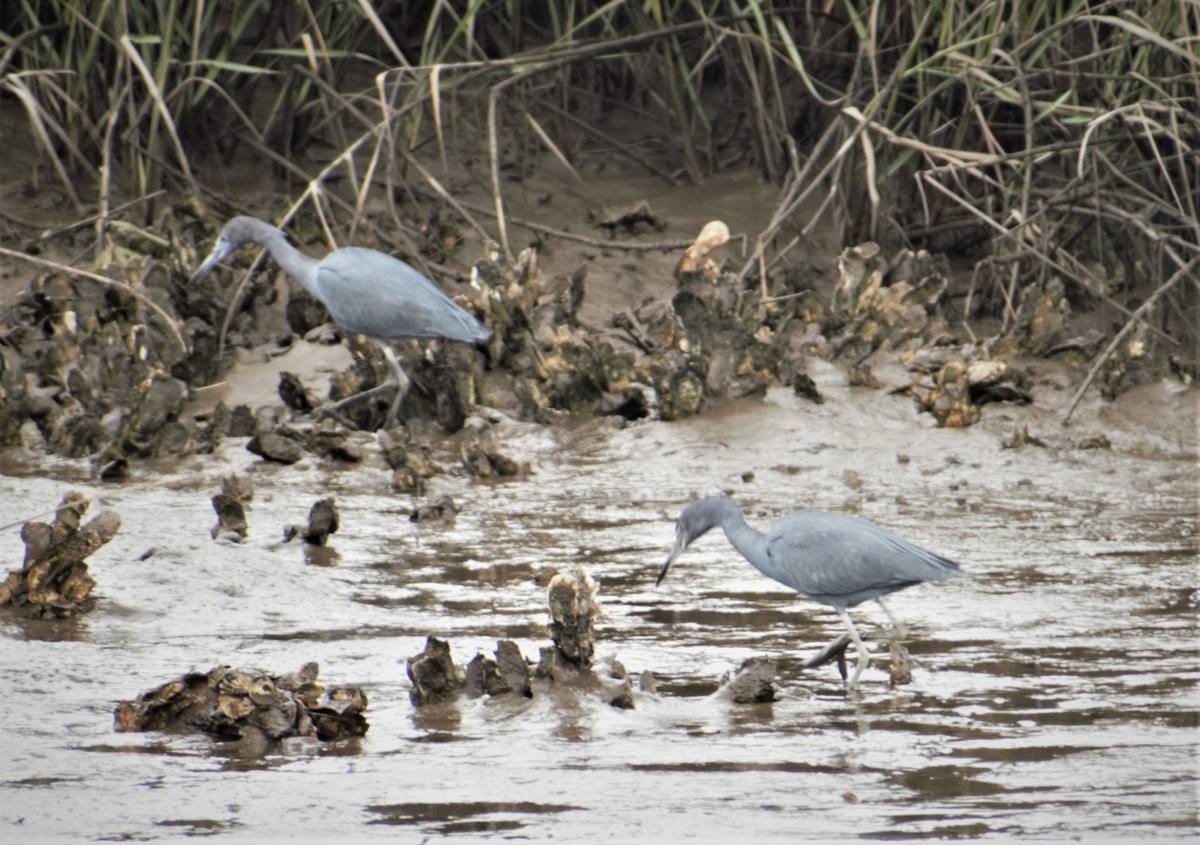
{"points": [[402, 383], [864, 656], [900, 629], [399, 380]]}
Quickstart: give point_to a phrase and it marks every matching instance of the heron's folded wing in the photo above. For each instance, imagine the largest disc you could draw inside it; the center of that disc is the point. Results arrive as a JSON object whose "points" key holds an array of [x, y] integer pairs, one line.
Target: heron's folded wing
{"points": [[384, 298], [829, 554]]}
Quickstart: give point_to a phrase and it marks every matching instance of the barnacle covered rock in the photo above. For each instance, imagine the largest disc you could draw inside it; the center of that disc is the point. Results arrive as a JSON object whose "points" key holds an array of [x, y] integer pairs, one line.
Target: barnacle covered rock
{"points": [[237, 704], [54, 580]]}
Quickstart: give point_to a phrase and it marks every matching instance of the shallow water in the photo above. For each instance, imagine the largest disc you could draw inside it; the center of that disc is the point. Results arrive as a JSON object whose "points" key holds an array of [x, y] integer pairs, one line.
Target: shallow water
{"points": [[1056, 696]]}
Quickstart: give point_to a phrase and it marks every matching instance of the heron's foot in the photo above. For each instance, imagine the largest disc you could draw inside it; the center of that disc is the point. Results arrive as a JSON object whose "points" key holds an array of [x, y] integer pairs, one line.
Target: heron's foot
{"points": [[836, 650], [864, 660], [330, 409], [326, 412]]}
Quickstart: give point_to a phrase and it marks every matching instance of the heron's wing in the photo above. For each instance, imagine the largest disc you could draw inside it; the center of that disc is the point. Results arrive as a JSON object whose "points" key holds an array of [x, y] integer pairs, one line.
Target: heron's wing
{"points": [[384, 298], [836, 555]]}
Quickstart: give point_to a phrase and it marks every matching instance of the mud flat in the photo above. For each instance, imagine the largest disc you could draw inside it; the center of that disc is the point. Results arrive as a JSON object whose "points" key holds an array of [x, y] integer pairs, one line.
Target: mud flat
{"points": [[1054, 687]]}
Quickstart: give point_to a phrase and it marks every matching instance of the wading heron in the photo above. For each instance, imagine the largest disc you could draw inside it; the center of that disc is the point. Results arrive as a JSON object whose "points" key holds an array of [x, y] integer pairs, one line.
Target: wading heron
{"points": [[365, 291], [833, 558]]}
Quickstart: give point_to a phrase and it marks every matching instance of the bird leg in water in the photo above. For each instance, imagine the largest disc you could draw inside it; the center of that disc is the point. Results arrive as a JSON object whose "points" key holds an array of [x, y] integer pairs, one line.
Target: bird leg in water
{"points": [[864, 656], [399, 380], [900, 630]]}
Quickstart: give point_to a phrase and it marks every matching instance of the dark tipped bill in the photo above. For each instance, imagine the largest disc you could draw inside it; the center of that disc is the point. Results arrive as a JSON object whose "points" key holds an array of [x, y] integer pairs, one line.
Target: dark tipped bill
{"points": [[675, 551]]}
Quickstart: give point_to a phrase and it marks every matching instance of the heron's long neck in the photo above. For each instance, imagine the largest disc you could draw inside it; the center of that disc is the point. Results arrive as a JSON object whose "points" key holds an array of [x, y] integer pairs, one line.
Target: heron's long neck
{"points": [[750, 542], [295, 263]]}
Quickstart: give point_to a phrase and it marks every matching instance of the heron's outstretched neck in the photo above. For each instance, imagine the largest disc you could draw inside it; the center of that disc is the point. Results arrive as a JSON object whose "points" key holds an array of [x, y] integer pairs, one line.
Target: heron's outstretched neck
{"points": [[295, 263]]}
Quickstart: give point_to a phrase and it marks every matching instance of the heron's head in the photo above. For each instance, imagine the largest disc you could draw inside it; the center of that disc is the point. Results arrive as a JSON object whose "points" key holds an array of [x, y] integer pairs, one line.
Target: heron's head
{"points": [[236, 233], [697, 519]]}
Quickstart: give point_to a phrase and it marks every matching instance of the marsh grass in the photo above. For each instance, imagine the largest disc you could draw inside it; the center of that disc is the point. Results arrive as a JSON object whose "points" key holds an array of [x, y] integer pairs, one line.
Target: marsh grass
{"points": [[1037, 141]]}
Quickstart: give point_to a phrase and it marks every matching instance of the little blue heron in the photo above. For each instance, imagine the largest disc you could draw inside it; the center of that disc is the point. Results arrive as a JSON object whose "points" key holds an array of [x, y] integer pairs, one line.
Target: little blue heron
{"points": [[365, 291], [833, 558]]}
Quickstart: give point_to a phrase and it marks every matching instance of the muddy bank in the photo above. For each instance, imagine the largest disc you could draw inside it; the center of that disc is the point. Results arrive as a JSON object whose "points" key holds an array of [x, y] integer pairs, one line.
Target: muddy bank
{"points": [[112, 372]]}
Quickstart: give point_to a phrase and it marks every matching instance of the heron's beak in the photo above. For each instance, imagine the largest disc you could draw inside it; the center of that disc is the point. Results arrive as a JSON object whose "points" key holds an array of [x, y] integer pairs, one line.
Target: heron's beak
{"points": [[219, 252], [675, 552]]}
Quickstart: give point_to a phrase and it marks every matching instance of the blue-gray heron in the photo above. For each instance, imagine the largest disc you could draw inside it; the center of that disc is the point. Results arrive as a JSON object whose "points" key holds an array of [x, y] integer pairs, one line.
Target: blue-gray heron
{"points": [[833, 558], [365, 291]]}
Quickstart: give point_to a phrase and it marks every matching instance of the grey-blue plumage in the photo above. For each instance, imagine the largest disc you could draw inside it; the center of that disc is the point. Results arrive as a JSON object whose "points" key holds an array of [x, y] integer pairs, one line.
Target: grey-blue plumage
{"points": [[833, 558], [365, 291]]}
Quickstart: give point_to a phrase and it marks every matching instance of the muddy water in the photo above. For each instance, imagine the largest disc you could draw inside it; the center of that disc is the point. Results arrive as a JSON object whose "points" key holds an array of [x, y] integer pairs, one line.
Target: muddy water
{"points": [[1055, 698]]}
